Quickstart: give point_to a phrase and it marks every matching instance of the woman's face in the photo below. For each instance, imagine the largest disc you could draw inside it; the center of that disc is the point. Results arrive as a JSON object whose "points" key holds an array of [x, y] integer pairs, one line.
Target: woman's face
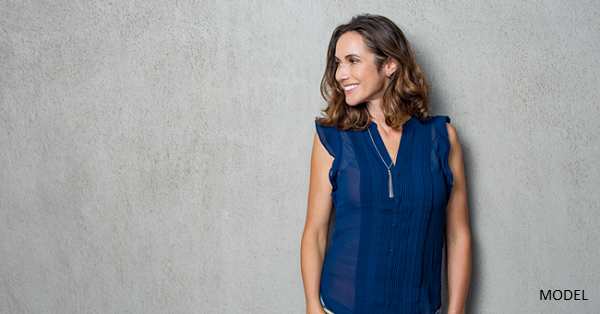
{"points": [[357, 72]]}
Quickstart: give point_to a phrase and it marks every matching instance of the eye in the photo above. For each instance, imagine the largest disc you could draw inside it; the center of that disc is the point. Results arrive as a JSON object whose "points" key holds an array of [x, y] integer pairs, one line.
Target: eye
{"points": [[353, 61], [337, 63]]}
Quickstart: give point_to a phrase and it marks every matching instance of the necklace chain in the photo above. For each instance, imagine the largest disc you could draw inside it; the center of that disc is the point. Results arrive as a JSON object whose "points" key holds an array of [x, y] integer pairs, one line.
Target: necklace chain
{"points": [[390, 187]]}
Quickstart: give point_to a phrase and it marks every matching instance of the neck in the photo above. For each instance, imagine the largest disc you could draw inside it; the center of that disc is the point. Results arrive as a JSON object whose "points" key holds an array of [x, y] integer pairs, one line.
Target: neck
{"points": [[378, 117], [376, 112]]}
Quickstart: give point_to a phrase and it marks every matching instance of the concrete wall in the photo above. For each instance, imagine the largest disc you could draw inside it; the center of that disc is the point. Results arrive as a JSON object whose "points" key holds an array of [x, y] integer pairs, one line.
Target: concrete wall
{"points": [[154, 156]]}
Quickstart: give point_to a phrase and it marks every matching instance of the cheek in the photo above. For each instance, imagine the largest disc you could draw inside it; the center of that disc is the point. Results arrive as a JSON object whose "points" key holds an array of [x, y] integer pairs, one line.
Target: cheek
{"points": [[365, 73], [357, 72]]}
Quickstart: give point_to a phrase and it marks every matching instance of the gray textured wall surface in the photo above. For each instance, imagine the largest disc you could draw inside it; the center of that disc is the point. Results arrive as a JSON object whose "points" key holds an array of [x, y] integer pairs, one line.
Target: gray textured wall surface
{"points": [[154, 156]]}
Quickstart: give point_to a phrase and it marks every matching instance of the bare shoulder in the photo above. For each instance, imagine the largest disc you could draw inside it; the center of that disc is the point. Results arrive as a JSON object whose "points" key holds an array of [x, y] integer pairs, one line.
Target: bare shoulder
{"points": [[452, 135]]}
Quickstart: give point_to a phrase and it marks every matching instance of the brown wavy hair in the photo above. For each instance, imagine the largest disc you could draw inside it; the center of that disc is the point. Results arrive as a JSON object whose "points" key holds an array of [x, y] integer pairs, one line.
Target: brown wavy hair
{"points": [[407, 93]]}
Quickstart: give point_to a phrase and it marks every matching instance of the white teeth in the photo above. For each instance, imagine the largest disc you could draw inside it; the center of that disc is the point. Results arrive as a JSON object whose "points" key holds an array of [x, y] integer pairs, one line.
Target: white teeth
{"points": [[351, 87]]}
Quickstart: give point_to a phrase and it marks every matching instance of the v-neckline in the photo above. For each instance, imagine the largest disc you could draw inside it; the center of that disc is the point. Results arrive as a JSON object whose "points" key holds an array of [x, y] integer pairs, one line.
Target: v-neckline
{"points": [[380, 144]]}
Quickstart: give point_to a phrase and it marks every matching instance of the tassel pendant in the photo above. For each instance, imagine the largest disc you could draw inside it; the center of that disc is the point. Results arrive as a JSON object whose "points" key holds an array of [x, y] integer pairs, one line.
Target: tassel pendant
{"points": [[390, 187], [390, 184]]}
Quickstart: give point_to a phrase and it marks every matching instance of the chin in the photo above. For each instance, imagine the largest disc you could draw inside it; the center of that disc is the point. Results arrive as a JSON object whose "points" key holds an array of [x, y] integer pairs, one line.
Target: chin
{"points": [[352, 103]]}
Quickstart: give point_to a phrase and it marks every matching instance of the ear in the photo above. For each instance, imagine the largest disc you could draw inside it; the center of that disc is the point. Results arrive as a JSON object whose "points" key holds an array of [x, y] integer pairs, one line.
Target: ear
{"points": [[390, 66]]}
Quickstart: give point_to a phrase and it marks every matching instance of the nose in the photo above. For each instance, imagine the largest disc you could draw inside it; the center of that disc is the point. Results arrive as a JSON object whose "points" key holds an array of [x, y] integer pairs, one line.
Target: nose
{"points": [[341, 73]]}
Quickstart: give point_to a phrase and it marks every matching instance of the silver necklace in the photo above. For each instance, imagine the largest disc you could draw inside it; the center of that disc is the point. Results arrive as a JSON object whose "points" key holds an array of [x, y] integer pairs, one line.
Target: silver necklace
{"points": [[390, 187]]}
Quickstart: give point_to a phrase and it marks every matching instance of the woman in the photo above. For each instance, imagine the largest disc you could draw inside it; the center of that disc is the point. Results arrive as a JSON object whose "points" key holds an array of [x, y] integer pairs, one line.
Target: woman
{"points": [[395, 177]]}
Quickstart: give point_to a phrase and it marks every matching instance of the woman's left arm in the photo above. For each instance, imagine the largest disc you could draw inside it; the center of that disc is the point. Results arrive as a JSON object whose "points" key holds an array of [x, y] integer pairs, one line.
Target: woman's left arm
{"points": [[458, 233]]}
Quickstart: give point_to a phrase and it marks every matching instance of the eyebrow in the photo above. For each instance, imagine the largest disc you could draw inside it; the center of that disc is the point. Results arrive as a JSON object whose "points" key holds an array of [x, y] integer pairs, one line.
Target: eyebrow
{"points": [[349, 56]]}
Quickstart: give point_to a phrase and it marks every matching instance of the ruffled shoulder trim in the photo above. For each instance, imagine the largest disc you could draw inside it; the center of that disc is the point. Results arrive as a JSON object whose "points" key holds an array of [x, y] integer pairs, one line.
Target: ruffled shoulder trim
{"points": [[332, 141], [330, 138], [441, 143]]}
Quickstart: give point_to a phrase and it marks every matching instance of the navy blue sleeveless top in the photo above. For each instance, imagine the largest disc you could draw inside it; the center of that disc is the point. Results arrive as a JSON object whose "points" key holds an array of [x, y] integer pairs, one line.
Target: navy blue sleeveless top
{"points": [[386, 253]]}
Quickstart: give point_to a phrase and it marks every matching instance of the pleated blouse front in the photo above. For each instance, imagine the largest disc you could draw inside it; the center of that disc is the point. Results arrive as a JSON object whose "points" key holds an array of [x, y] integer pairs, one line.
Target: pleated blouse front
{"points": [[386, 252]]}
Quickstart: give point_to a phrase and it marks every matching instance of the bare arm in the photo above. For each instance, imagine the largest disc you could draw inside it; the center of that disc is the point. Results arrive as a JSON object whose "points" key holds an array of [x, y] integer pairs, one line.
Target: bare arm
{"points": [[458, 234], [314, 238]]}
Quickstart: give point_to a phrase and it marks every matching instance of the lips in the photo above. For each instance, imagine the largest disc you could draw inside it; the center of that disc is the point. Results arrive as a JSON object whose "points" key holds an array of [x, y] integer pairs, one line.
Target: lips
{"points": [[350, 87]]}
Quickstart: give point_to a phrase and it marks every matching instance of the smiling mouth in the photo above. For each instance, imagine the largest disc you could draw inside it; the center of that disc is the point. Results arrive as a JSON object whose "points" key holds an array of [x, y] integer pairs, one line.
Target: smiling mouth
{"points": [[350, 87]]}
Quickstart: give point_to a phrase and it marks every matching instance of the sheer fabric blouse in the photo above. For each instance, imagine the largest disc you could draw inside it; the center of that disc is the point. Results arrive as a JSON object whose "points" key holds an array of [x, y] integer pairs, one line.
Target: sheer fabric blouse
{"points": [[386, 252]]}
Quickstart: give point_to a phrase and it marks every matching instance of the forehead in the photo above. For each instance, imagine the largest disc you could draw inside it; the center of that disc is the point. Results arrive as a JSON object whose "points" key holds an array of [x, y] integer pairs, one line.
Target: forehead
{"points": [[350, 43]]}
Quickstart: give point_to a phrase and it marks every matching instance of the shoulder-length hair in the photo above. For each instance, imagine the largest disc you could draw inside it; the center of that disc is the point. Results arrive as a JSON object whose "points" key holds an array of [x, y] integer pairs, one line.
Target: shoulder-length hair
{"points": [[407, 92]]}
